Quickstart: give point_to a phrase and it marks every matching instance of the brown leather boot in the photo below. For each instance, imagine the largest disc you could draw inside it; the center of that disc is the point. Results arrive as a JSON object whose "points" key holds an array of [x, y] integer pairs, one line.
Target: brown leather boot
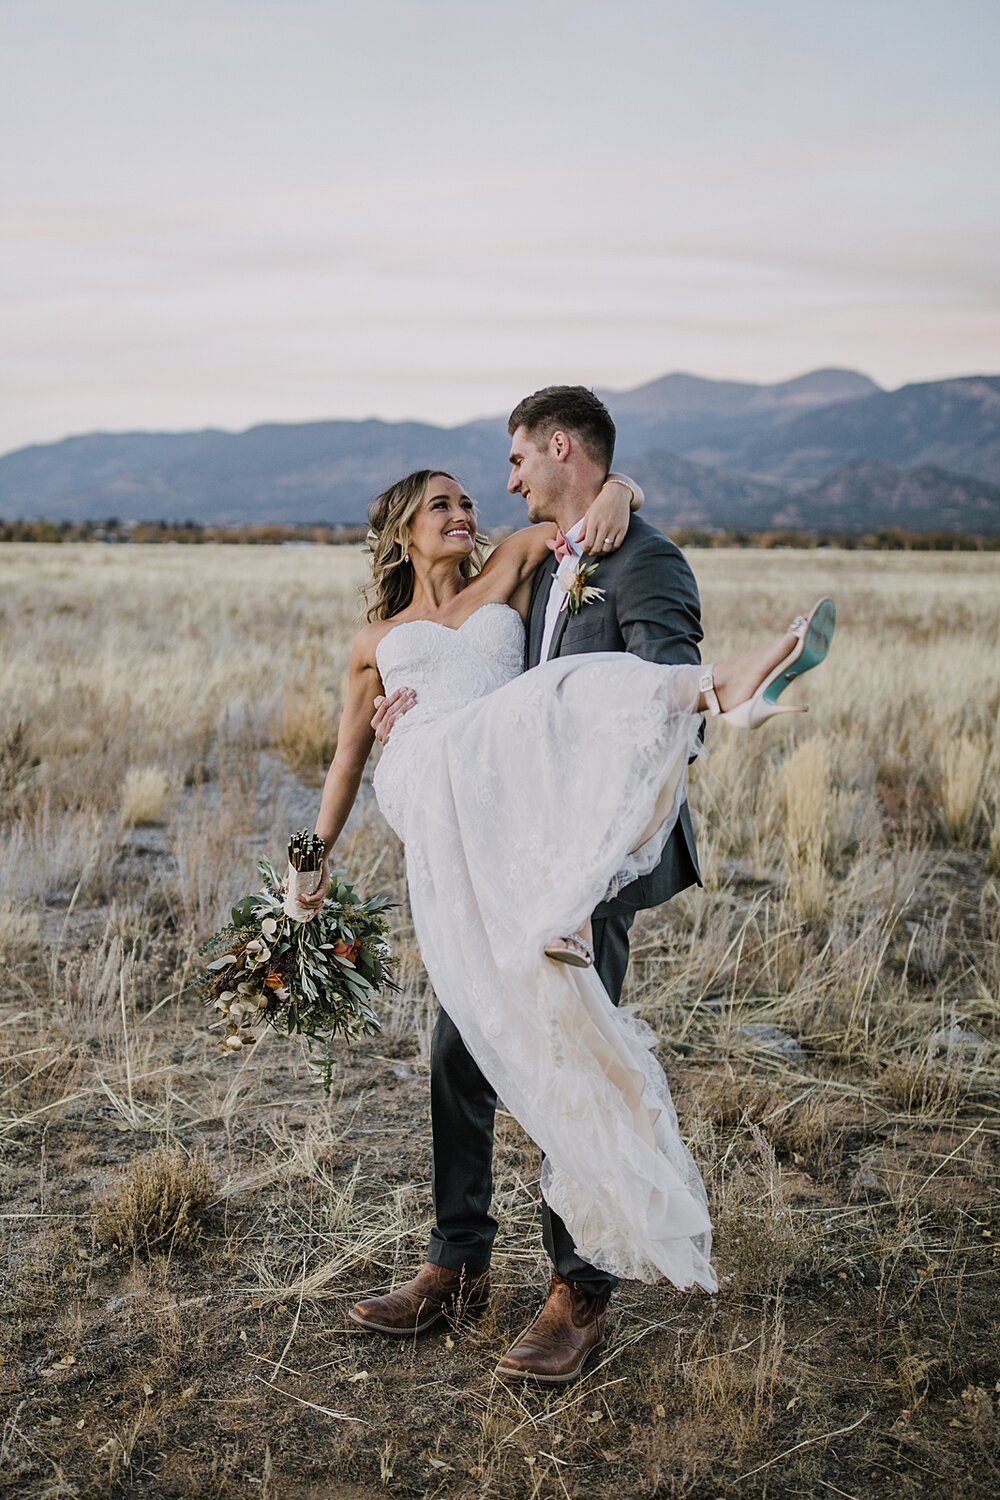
{"points": [[569, 1328], [434, 1293]]}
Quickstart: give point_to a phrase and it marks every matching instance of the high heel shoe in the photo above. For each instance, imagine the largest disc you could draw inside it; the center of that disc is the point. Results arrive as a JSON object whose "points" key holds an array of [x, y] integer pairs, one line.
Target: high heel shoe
{"points": [[814, 632], [573, 950]]}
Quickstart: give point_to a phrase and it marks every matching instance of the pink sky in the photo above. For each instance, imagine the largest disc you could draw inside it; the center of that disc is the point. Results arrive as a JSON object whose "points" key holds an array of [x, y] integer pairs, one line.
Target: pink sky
{"points": [[216, 216]]}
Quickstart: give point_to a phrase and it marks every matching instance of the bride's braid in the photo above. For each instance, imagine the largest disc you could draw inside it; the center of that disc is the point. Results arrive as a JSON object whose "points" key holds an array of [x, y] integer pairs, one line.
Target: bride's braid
{"points": [[390, 588]]}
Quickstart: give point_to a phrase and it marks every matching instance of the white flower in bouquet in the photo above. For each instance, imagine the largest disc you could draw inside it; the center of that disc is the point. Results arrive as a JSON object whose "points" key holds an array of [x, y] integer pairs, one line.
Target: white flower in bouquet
{"points": [[566, 571], [573, 575]]}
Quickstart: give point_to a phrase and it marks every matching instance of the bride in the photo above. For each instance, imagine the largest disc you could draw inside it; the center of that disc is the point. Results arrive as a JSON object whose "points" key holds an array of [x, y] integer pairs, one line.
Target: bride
{"points": [[518, 796]]}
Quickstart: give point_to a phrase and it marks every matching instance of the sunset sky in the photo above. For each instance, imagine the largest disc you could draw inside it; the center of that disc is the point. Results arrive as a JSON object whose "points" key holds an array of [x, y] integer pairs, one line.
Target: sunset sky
{"points": [[246, 210]]}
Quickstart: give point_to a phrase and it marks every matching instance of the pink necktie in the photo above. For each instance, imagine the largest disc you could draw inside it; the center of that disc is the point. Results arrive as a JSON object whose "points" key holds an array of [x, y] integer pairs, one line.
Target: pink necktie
{"points": [[561, 546]]}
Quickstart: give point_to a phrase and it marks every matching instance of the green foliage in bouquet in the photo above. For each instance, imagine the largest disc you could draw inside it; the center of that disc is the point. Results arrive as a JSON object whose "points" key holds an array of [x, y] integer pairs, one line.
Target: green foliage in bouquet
{"points": [[311, 979]]}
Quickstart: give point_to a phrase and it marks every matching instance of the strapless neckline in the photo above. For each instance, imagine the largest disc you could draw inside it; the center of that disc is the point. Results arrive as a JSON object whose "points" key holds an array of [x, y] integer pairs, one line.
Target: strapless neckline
{"points": [[454, 629], [450, 665], [438, 631]]}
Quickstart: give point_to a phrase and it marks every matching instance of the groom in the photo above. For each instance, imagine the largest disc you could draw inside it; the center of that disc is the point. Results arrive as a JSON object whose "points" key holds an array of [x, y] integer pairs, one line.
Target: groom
{"points": [[562, 445]]}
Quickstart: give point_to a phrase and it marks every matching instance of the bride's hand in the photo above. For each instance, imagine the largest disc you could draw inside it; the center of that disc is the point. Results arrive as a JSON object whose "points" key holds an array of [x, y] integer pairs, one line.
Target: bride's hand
{"points": [[313, 900], [606, 522]]}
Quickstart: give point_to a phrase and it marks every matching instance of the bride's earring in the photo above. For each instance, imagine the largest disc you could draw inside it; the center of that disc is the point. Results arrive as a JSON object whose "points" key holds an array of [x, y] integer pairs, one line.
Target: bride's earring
{"points": [[406, 557]]}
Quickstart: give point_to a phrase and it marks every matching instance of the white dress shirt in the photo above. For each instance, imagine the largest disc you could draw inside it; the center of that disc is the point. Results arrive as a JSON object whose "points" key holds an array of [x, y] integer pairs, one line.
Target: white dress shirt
{"points": [[557, 595]]}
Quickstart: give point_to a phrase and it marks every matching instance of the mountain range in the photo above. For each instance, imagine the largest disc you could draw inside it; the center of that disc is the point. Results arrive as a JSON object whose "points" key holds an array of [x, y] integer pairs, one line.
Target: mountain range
{"points": [[828, 451]]}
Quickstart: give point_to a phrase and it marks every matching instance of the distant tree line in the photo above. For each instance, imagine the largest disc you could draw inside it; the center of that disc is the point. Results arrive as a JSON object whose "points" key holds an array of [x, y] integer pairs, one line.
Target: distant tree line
{"points": [[189, 533], [194, 533], [885, 539]]}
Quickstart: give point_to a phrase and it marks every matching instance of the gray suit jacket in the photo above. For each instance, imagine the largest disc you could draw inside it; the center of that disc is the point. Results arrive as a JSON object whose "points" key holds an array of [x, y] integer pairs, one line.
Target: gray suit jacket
{"points": [[651, 608]]}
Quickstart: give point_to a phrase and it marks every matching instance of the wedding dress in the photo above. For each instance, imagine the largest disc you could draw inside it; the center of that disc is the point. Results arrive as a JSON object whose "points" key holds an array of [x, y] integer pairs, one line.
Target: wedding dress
{"points": [[520, 799]]}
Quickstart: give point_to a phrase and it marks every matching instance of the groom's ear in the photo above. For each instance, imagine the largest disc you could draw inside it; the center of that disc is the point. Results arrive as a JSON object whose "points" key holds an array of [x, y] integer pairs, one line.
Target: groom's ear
{"points": [[560, 445]]}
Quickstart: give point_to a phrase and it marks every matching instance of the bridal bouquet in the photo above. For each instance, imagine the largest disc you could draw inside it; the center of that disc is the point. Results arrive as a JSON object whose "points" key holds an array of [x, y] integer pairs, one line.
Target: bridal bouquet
{"points": [[308, 978]]}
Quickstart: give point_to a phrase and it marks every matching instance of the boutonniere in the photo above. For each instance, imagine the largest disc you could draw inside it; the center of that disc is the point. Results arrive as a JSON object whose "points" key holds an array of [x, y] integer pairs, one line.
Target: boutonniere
{"points": [[574, 574]]}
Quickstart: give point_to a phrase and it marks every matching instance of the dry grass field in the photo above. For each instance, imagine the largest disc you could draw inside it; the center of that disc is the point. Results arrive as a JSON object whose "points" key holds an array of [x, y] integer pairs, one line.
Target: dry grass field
{"points": [[182, 1232]]}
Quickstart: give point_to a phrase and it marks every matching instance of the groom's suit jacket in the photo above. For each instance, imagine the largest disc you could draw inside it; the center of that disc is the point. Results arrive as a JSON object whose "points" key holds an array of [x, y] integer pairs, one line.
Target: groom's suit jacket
{"points": [[652, 609]]}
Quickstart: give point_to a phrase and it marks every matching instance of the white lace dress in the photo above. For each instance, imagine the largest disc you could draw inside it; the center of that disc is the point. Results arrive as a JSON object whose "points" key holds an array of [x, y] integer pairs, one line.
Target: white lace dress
{"points": [[519, 797]]}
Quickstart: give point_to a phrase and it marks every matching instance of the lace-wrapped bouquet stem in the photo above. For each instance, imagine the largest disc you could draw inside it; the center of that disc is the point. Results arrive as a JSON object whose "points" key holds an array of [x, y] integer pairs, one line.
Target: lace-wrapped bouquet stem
{"points": [[313, 979]]}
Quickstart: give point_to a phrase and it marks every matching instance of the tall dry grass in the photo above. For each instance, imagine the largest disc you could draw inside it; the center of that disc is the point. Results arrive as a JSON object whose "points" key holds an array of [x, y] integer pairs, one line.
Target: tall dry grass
{"points": [[828, 1011]]}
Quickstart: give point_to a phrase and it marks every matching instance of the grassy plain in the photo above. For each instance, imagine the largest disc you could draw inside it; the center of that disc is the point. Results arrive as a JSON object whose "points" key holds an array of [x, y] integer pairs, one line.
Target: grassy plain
{"points": [[182, 1233]]}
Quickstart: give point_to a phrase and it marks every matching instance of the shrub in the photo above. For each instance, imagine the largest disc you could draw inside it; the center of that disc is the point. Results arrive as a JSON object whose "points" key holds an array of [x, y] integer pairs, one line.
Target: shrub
{"points": [[158, 1204], [145, 796]]}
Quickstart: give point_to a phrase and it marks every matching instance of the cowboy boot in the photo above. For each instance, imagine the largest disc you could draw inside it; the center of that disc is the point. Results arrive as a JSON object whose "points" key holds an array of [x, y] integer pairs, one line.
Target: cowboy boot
{"points": [[435, 1292], [567, 1331]]}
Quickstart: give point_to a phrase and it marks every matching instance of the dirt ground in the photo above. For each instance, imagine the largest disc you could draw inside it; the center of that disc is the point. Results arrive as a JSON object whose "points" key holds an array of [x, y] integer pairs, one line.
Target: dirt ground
{"points": [[183, 1233]]}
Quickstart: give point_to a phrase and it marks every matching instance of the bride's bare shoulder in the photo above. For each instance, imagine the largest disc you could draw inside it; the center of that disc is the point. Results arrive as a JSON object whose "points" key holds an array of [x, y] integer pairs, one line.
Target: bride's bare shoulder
{"points": [[366, 643]]}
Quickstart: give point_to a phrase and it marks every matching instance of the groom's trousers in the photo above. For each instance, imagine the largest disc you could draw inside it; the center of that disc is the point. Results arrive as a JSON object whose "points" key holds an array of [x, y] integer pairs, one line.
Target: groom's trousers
{"points": [[463, 1106]]}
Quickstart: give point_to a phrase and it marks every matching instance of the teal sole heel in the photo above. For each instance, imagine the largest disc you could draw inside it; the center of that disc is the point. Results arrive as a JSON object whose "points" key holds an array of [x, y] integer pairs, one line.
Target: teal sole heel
{"points": [[814, 649]]}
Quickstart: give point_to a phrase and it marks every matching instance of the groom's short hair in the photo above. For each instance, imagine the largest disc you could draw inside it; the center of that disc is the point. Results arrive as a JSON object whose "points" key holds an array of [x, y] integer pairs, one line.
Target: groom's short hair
{"points": [[574, 408]]}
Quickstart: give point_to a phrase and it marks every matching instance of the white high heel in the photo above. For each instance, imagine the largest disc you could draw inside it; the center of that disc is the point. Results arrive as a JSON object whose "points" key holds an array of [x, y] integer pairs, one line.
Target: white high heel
{"points": [[813, 633], [573, 950]]}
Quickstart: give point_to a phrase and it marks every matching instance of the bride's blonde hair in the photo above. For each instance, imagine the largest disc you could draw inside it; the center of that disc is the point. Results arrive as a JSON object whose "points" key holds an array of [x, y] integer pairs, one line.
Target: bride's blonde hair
{"points": [[390, 514]]}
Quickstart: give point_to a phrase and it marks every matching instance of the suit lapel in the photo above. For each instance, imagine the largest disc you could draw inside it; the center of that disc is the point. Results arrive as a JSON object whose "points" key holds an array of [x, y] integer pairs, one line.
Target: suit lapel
{"points": [[560, 630], [536, 614]]}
